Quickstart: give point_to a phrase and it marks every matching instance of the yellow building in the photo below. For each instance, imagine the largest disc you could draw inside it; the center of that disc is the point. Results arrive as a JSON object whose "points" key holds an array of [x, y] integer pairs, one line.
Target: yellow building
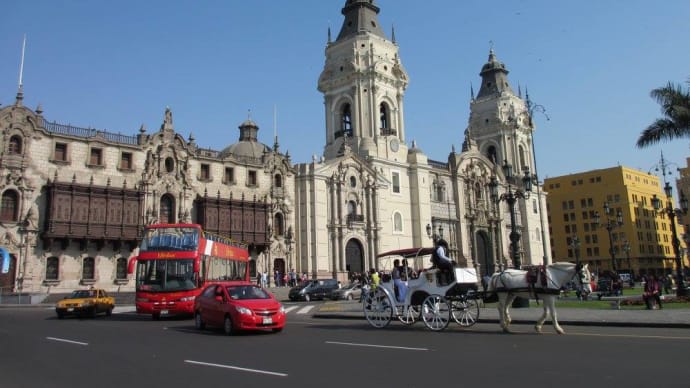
{"points": [[640, 238]]}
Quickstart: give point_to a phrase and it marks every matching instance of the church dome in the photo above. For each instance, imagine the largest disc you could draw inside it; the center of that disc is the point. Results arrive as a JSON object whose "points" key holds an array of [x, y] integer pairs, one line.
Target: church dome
{"points": [[247, 146]]}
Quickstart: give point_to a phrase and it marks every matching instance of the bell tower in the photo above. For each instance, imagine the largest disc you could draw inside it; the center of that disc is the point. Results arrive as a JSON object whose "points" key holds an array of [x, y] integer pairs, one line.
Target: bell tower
{"points": [[499, 121], [363, 83]]}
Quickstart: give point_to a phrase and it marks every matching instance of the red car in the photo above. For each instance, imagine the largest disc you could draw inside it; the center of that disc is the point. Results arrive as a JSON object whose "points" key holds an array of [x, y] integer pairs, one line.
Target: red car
{"points": [[238, 306]]}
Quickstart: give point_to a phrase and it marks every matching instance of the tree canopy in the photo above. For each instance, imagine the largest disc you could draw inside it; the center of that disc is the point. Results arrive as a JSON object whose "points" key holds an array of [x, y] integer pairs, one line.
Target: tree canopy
{"points": [[675, 106]]}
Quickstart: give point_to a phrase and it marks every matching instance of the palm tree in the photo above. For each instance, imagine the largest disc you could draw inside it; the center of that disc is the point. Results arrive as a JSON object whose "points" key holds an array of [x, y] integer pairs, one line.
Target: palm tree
{"points": [[675, 105]]}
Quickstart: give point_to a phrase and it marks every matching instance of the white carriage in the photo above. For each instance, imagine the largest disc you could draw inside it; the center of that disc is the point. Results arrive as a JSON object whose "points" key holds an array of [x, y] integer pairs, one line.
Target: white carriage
{"points": [[434, 297]]}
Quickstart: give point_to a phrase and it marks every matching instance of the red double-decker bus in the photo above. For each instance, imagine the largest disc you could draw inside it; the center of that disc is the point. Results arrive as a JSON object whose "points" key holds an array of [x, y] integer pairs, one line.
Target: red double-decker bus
{"points": [[177, 261]]}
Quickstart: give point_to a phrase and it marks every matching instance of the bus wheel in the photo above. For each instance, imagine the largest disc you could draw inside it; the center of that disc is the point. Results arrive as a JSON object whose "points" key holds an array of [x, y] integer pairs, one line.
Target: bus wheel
{"points": [[227, 325]]}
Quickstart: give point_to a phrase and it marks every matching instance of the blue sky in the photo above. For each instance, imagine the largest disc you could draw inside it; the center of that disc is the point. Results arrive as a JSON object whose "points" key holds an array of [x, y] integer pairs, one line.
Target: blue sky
{"points": [[116, 65]]}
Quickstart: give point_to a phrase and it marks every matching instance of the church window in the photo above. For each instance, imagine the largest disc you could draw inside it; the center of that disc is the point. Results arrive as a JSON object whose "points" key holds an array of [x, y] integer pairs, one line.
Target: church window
{"points": [[278, 180], [205, 172], [167, 209], [491, 154], [278, 226], [229, 176], [121, 269], [15, 145], [523, 162], [396, 182], [351, 209], [169, 164], [96, 157], [397, 222], [353, 181], [52, 268], [384, 116], [440, 189], [88, 271], [60, 152], [9, 209], [346, 121], [251, 178], [126, 161]]}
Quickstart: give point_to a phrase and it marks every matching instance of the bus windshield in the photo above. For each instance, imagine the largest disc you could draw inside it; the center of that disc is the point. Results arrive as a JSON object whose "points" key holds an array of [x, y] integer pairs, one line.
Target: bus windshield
{"points": [[170, 239], [166, 275]]}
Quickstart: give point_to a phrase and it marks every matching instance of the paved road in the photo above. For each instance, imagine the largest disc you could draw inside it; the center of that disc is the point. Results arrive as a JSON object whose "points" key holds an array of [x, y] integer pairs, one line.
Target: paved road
{"points": [[134, 351]]}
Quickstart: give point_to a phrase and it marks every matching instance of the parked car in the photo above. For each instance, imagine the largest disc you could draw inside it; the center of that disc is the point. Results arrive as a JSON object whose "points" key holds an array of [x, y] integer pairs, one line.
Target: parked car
{"points": [[349, 292], [313, 290], [238, 306], [85, 303]]}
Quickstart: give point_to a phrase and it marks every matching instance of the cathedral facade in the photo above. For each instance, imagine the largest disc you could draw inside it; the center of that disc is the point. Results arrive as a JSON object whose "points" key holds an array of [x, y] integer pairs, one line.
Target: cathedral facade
{"points": [[75, 200]]}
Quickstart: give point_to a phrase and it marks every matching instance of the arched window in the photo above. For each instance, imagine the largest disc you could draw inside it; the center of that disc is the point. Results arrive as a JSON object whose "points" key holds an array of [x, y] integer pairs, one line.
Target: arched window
{"points": [[346, 125], [88, 270], [121, 269], [491, 154], [351, 208], [477, 191], [278, 179], [9, 208], [397, 222], [52, 268], [167, 209], [278, 224], [521, 153], [169, 164], [15, 145], [385, 123]]}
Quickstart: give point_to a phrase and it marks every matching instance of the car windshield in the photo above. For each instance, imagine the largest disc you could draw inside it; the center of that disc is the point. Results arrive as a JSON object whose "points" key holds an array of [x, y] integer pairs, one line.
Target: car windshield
{"points": [[83, 294], [247, 292], [351, 286]]}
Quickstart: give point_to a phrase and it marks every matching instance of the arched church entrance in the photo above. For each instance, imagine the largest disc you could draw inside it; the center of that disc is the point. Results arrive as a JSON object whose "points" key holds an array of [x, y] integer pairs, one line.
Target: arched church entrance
{"points": [[484, 256], [354, 257]]}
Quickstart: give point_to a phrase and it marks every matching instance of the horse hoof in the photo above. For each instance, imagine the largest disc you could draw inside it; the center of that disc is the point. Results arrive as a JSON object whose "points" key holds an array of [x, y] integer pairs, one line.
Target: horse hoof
{"points": [[560, 331], [537, 329], [507, 330]]}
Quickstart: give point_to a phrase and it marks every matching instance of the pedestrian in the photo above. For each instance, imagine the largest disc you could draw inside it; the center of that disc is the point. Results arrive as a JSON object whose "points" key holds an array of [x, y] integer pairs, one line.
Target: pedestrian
{"points": [[651, 292]]}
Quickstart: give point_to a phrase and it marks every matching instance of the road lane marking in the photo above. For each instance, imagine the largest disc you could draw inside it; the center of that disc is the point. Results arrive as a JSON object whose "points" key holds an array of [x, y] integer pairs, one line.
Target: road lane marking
{"points": [[642, 336], [376, 346], [290, 308], [305, 309], [67, 341], [236, 368]]}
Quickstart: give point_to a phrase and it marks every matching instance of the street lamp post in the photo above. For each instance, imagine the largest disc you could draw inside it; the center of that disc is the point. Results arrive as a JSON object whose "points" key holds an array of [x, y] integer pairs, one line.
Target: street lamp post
{"points": [[610, 225], [288, 241], [575, 246], [432, 232], [681, 290], [511, 196], [627, 248]]}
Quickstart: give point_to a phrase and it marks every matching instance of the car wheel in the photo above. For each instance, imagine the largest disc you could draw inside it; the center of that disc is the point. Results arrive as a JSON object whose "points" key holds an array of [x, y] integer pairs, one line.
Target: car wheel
{"points": [[349, 297], [109, 311], [60, 315], [156, 316], [228, 326], [198, 322], [278, 330], [307, 297], [94, 312]]}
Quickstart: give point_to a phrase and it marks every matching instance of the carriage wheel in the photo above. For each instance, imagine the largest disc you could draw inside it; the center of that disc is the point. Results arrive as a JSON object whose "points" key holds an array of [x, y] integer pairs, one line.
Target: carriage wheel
{"points": [[465, 312], [435, 312], [409, 315], [378, 308]]}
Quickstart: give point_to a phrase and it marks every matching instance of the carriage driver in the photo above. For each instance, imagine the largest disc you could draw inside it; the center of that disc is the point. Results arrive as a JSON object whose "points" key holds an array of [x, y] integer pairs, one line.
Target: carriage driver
{"points": [[439, 258]]}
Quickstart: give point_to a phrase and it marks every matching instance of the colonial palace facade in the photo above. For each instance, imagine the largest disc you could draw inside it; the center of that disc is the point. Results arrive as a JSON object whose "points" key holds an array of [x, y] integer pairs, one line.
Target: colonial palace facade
{"points": [[75, 200]]}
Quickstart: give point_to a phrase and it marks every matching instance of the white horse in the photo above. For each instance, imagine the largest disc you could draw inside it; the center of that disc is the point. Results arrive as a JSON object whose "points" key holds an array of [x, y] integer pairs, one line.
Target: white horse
{"points": [[512, 283]]}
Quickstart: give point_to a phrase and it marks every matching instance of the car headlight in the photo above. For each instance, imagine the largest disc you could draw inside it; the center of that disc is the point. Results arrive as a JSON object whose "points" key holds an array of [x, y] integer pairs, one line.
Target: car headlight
{"points": [[244, 310], [301, 292], [282, 309], [187, 299]]}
